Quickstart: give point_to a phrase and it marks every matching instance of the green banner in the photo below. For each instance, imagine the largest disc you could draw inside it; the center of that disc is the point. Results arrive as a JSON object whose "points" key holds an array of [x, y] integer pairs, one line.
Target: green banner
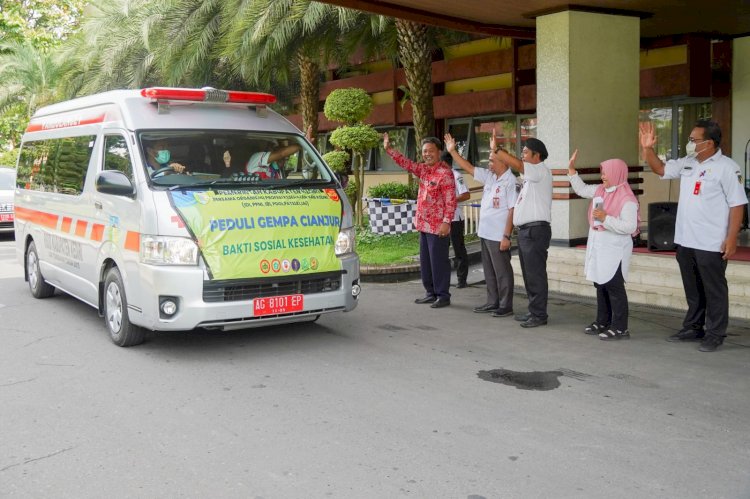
{"points": [[263, 233]]}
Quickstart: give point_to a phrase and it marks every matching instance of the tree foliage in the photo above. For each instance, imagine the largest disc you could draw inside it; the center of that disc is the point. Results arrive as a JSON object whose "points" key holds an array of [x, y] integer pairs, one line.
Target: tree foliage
{"points": [[348, 105], [338, 160]]}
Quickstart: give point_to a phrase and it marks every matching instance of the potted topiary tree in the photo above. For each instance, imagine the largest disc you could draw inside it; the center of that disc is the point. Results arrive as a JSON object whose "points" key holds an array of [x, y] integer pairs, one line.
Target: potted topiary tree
{"points": [[351, 106]]}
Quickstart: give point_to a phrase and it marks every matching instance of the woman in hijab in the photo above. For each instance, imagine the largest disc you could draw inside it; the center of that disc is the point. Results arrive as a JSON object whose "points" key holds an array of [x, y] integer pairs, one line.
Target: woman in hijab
{"points": [[613, 221]]}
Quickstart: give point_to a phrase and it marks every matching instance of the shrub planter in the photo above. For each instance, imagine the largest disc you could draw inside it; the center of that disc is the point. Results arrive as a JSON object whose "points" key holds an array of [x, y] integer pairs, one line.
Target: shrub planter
{"points": [[390, 216]]}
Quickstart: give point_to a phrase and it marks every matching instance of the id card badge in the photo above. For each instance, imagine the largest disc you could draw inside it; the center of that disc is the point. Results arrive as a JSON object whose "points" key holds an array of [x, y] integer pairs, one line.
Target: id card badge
{"points": [[496, 202], [697, 188]]}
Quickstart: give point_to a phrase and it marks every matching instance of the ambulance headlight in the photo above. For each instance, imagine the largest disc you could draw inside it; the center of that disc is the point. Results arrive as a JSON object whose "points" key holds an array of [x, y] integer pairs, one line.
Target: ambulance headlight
{"points": [[345, 241], [161, 250]]}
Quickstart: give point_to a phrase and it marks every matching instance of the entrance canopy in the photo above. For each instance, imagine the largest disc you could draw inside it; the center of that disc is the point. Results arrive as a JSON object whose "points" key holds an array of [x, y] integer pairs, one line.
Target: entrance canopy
{"points": [[516, 18]]}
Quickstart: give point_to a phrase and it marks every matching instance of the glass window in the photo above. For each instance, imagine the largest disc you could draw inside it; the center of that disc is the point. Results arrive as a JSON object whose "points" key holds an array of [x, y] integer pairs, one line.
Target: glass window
{"points": [[473, 135], [461, 131], [402, 139], [506, 135], [116, 155], [194, 157], [55, 165], [671, 133], [7, 178]]}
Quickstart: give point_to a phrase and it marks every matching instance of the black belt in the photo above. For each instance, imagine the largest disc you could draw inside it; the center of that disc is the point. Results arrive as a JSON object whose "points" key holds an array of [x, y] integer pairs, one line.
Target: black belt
{"points": [[533, 224]]}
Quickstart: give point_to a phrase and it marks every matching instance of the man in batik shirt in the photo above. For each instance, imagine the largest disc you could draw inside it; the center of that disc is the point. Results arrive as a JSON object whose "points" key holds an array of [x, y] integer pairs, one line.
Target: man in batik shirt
{"points": [[436, 205]]}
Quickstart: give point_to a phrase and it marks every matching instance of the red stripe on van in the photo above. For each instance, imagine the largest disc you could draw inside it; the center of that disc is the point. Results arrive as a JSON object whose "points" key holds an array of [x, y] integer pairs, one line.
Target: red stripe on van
{"points": [[53, 125], [97, 232], [37, 217], [81, 226], [133, 241], [66, 223]]}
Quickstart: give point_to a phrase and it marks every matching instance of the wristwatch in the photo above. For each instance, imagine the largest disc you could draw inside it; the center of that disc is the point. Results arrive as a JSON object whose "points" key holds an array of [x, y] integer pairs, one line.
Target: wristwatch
{"points": [[506, 236]]}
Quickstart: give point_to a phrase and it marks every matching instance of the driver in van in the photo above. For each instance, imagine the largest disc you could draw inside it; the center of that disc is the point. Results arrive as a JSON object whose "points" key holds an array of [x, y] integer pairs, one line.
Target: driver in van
{"points": [[158, 157]]}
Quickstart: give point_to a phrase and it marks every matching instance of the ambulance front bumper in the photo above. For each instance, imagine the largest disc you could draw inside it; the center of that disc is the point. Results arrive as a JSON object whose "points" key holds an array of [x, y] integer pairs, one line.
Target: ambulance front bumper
{"points": [[198, 305]]}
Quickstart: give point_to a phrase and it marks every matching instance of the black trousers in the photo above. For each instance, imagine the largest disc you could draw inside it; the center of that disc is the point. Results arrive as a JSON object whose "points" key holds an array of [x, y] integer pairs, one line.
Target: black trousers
{"points": [[459, 250], [612, 302], [435, 265], [533, 243], [704, 279]]}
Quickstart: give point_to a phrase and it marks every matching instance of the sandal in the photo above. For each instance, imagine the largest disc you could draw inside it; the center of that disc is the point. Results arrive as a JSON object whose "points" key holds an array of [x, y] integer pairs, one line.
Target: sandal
{"points": [[594, 328], [610, 334]]}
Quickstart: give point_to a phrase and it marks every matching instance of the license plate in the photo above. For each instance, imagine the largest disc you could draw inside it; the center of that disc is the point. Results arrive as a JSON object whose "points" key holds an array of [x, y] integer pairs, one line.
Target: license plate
{"points": [[6, 217], [273, 305]]}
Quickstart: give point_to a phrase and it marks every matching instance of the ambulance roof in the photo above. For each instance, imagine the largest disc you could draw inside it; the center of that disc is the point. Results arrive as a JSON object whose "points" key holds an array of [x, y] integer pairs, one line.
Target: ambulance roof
{"points": [[130, 110]]}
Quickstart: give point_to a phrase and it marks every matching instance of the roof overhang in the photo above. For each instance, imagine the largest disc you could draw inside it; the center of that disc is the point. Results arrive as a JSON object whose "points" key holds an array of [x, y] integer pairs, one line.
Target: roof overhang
{"points": [[517, 18]]}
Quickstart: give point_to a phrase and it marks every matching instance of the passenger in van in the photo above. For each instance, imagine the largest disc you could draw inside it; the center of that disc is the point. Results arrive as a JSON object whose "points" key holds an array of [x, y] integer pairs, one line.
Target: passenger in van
{"points": [[158, 158], [269, 164]]}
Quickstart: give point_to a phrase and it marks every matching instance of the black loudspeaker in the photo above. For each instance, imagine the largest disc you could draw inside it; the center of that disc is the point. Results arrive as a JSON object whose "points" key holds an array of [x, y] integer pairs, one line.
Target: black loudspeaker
{"points": [[661, 221]]}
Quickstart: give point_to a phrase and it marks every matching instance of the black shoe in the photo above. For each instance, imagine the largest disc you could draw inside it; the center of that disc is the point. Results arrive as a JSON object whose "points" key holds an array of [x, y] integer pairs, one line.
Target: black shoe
{"points": [[595, 328], [614, 334], [710, 343], [534, 321], [485, 309], [440, 303], [523, 317], [687, 334], [502, 313], [426, 299], [462, 285]]}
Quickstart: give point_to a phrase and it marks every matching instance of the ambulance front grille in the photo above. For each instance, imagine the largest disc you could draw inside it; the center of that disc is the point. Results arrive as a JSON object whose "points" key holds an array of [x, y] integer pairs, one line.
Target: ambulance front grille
{"points": [[247, 289]]}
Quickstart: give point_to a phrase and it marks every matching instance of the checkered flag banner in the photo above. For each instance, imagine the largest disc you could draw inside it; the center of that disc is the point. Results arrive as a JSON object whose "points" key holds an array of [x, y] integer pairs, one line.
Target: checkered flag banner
{"points": [[390, 216]]}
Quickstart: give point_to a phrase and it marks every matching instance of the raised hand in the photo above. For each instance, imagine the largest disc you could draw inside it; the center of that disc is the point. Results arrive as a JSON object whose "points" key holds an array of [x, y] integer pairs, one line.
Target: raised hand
{"points": [[572, 163], [493, 140], [450, 142], [386, 141], [309, 135], [647, 134]]}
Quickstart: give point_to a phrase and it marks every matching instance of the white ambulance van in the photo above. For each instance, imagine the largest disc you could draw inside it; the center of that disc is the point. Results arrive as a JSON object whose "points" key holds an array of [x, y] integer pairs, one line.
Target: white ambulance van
{"points": [[173, 209]]}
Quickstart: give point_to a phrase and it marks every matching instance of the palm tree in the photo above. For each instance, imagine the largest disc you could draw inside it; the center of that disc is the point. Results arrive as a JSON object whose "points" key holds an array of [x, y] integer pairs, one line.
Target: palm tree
{"points": [[276, 41], [114, 49], [27, 77]]}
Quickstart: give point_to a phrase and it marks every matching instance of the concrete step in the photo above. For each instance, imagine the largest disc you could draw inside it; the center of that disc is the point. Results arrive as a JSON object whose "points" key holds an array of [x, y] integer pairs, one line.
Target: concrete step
{"points": [[653, 280]]}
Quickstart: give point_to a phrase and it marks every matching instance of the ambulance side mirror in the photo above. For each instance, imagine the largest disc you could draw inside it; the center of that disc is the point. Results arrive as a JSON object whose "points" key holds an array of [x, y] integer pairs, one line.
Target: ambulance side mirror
{"points": [[114, 182]]}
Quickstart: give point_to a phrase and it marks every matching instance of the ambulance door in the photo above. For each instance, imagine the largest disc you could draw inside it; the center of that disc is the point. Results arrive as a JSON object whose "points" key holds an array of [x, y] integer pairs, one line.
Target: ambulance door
{"points": [[117, 207]]}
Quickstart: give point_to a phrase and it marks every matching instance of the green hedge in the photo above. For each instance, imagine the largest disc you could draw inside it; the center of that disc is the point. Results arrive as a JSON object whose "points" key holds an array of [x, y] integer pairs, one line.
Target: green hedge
{"points": [[393, 190]]}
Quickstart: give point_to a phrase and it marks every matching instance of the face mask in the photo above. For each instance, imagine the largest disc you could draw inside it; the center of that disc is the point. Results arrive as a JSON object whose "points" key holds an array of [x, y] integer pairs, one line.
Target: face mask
{"points": [[690, 148], [610, 189], [162, 156]]}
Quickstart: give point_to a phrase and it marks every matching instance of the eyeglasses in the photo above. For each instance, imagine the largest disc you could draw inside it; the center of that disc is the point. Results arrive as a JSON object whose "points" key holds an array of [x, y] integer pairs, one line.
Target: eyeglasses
{"points": [[696, 141]]}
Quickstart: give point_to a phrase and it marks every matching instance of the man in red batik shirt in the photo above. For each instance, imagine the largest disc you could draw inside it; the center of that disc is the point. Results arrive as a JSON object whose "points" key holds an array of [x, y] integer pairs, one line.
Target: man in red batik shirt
{"points": [[436, 205]]}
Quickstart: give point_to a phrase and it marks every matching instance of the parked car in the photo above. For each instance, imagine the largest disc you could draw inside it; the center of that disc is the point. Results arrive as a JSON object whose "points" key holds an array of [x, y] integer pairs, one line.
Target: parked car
{"points": [[7, 188]]}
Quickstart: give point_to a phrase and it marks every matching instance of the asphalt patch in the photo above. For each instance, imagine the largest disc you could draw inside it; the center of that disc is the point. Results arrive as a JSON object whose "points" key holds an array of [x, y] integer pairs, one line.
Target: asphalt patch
{"points": [[532, 380]]}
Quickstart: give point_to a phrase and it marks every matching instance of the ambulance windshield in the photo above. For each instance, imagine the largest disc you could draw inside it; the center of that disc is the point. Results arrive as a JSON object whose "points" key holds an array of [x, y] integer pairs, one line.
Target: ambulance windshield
{"points": [[193, 158]]}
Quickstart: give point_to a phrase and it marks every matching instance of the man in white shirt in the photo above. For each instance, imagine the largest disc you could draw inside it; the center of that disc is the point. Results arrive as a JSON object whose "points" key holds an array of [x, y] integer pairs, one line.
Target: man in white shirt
{"points": [[270, 164], [532, 216], [458, 226], [495, 228], [709, 215]]}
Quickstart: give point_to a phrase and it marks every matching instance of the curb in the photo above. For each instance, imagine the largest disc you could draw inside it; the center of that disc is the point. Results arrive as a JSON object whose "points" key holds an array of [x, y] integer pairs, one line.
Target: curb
{"points": [[410, 271]]}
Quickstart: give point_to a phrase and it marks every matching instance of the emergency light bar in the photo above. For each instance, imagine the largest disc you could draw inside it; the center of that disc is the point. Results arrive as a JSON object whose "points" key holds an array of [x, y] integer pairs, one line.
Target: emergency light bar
{"points": [[207, 95]]}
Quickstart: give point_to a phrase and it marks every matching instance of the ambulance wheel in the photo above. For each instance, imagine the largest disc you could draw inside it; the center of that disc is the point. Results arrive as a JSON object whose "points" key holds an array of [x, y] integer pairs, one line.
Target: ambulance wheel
{"points": [[122, 332], [39, 288]]}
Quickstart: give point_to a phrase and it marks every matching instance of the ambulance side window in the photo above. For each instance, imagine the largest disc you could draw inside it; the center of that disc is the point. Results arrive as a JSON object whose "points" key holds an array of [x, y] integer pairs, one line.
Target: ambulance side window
{"points": [[55, 165], [116, 155]]}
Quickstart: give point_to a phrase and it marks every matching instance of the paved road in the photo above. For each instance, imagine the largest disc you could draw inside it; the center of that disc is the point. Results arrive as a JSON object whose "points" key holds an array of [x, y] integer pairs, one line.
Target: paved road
{"points": [[392, 400]]}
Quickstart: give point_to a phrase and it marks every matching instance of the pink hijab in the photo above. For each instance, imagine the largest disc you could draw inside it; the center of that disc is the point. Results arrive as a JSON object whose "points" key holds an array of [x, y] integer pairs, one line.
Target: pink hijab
{"points": [[617, 173]]}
